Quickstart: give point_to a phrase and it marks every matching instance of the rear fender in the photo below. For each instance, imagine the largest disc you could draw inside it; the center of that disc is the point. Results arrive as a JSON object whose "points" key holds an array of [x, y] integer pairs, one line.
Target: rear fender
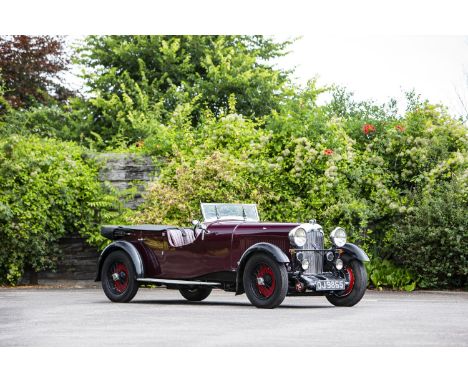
{"points": [[266, 248], [353, 251], [129, 249]]}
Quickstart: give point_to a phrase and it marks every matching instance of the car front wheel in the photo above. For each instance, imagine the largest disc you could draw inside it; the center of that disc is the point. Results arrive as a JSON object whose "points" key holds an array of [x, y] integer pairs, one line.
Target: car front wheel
{"points": [[195, 294], [265, 281], [118, 277], [356, 276]]}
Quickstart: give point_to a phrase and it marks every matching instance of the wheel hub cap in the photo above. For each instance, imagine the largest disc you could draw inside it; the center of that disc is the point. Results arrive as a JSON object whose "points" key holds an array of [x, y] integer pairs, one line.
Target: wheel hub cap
{"points": [[120, 277], [265, 281]]}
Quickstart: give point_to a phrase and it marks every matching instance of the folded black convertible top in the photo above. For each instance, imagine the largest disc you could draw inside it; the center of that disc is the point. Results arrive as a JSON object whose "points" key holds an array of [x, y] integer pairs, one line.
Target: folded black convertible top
{"points": [[115, 231]]}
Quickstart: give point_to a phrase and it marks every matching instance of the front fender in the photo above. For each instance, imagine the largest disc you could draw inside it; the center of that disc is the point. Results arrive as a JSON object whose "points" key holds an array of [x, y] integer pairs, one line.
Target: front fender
{"points": [[129, 249], [355, 252], [267, 248]]}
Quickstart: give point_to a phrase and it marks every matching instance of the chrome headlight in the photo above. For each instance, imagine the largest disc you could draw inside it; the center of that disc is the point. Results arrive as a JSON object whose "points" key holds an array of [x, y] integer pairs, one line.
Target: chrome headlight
{"points": [[298, 236], [338, 236]]}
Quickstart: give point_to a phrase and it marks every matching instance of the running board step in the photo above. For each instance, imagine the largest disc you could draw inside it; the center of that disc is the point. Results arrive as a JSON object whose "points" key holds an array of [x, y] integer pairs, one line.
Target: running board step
{"points": [[177, 282]]}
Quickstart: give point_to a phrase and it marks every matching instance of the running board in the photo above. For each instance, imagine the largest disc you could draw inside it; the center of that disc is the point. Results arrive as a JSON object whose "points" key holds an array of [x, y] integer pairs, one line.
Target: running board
{"points": [[177, 282]]}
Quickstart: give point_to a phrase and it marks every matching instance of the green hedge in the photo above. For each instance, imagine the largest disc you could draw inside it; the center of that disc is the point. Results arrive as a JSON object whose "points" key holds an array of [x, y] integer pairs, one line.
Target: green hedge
{"points": [[432, 240], [47, 188]]}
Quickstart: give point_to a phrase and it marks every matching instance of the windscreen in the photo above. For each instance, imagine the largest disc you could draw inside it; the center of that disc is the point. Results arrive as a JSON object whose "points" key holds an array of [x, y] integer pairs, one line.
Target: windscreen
{"points": [[224, 211]]}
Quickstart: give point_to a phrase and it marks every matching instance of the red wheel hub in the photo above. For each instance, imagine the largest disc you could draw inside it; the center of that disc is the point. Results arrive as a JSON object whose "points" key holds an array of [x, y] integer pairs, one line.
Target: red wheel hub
{"points": [[120, 277], [265, 280], [349, 288]]}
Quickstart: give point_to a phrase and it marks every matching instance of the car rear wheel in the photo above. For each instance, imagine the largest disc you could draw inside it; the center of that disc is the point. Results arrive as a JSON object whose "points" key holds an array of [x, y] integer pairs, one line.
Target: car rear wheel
{"points": [[195, 294], [356, 275], [265, 281], [118, 277]]}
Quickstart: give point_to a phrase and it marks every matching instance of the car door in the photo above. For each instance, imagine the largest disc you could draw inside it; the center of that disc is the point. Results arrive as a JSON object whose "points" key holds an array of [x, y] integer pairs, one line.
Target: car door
{"points": [[209, 253]]}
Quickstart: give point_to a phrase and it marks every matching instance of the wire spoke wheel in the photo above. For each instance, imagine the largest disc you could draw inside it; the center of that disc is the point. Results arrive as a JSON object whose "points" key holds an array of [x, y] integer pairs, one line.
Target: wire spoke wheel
{"points": [[265, 281], [356, 280], [118, 277]]}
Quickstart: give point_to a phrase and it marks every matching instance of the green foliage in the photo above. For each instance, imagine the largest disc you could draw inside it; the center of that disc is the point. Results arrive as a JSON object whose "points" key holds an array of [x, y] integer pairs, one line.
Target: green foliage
{"points": [[384, 273], [55, 121], [4, 105], [305, 162], [216, 154], [47, 188], [432, 240], [138, 82]]}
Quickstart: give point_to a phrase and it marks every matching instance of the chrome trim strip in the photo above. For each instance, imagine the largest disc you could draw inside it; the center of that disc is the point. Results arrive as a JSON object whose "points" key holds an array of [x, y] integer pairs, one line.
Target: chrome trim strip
{"points": [[177, 282]]}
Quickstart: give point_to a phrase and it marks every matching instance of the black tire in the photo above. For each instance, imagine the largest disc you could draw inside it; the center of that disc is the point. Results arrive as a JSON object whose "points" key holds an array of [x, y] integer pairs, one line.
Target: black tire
{"points": [[126, 287], [274, 277], [354, 295], [195, 293]]}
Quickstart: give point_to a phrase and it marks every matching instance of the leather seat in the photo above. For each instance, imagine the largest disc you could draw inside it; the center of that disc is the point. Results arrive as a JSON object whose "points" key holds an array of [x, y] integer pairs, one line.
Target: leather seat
{"points": [[180, 236]]}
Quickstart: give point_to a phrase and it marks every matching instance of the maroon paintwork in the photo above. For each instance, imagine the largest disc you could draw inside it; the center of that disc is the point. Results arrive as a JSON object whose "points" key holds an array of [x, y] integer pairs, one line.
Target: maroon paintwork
{"points": [[218, 250], [265, 260]]}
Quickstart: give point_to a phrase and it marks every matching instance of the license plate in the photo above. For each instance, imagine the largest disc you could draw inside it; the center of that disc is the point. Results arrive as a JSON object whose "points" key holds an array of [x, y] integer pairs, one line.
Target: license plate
{"points": [[330, 285]]}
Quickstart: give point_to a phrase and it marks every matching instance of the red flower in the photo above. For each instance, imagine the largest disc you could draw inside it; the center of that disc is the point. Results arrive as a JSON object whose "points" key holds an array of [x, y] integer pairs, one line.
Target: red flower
{"points": [[328, 151], [368, 128], [400, 128]]}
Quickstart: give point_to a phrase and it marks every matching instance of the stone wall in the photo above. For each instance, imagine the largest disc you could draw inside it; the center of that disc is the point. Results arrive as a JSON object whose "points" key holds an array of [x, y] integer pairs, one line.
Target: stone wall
{"points": [[78, 262], [122, 171]]}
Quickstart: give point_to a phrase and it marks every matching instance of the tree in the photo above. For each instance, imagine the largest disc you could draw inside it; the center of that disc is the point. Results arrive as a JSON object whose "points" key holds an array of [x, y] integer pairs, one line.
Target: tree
{"points": [[31, 68], [128, 75]]}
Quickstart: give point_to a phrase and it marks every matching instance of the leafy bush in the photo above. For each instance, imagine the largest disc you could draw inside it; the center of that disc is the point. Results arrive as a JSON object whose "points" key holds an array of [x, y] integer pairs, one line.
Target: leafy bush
{"points": [[4, 105], [384, 273], [209, 165], [47, 189], [432, 240], [54, 121]]}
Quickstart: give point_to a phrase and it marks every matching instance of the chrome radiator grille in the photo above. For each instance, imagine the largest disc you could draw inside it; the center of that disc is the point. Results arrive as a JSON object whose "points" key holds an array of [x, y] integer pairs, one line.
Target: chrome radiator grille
{"points": [[314, 241]]}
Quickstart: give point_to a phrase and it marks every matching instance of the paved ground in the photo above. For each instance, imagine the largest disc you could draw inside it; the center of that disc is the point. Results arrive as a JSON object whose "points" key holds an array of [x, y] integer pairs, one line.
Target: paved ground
{"points": [[159, 317]]}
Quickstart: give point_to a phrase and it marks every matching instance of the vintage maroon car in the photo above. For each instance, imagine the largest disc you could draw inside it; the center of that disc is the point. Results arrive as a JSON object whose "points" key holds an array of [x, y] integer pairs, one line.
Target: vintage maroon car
{"points": [[234, 251]]}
